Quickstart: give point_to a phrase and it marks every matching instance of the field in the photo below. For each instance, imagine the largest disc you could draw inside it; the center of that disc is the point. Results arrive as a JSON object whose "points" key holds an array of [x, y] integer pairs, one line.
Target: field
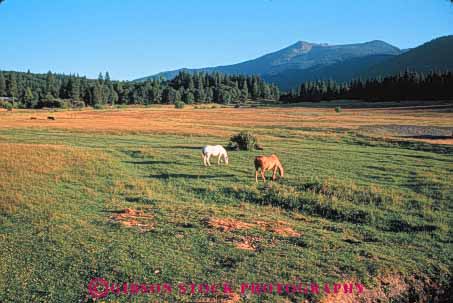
{"points": [[122, 194]]}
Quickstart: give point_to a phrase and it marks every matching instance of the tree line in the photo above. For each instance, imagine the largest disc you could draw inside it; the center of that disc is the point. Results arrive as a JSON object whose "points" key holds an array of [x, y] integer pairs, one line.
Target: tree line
{"points": [[408, 85], [30, 90]]}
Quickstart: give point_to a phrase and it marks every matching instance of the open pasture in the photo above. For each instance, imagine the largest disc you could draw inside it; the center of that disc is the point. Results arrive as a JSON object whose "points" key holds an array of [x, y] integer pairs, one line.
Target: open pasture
{"points": [[123, 194]]}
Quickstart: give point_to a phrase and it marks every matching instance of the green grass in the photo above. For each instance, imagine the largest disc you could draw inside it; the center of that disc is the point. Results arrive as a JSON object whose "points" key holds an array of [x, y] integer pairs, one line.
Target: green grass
{"points": [[365, 208]]}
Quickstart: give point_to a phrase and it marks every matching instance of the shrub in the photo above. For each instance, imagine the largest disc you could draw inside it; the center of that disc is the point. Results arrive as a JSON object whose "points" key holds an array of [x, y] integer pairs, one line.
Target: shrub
{"points": [[8, 106], [53, 103], [78, 104], [243, 141], [179, 104], [338, 109], [98, 106]]}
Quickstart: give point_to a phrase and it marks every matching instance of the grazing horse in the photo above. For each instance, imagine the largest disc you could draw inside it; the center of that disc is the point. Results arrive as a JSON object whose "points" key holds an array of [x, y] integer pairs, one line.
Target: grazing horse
{"points": [[268, 163], [216, 151]]}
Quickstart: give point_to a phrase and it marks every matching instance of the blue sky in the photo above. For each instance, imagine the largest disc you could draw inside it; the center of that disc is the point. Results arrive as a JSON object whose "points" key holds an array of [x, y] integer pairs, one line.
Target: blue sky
{"points": [[136, 38]]}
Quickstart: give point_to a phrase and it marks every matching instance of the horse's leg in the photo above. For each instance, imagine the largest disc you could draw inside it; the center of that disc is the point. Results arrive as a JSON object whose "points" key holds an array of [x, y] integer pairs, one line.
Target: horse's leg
{"points": [[256, 176], [274, 174], [218, 160], [208, 158], [263, 175], [204, 159]]}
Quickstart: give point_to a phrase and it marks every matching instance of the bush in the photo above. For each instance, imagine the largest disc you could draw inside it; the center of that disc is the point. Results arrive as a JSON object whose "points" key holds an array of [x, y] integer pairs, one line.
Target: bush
{"points": [[8, 106], [98, 106], [243, 141], [53, 103], [179, 104], [78, 104], [338, 109]]}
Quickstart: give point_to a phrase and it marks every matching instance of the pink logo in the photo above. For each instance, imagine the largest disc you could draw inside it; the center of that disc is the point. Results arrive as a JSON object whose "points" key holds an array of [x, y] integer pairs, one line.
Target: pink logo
{"points": [[98, 288]]}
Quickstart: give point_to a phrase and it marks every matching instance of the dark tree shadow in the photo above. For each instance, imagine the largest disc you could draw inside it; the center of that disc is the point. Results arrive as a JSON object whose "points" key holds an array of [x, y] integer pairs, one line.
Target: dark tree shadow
{"points": [[188, 176], [144, 200], [149, 162], [185, 147], [431, 137]]}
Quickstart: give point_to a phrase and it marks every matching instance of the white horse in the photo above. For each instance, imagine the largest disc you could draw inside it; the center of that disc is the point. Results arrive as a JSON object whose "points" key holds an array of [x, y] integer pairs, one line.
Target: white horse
{"points": [[216, 151]]}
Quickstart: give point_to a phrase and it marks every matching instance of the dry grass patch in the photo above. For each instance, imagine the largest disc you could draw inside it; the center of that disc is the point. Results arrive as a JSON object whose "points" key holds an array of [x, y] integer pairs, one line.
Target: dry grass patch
{"points": [[279, 227], [223, 122], [390, 288], [250, 243], [229, 224], [226, 224], [134, 218], [34, 170]]}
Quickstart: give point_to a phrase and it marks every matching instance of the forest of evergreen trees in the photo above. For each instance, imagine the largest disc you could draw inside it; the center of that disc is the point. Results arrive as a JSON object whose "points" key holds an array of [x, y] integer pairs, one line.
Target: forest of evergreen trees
{"points": [[29, 90], [404, 86]]}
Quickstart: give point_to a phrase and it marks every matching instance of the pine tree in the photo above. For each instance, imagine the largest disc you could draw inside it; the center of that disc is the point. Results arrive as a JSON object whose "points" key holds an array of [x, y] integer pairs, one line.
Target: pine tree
{"points": [[2, 85], [209, 95], [188, 97], [244, 91], [28, 99], [101, 79], [12, 86], [74, 89], [255, 90], [51, 85], [97, 96], [107, 78]]}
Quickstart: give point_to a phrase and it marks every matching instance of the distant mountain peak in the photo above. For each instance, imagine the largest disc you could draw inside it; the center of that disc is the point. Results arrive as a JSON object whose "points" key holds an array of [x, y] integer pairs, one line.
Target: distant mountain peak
{"points": [[300, 55], [302, 44]]}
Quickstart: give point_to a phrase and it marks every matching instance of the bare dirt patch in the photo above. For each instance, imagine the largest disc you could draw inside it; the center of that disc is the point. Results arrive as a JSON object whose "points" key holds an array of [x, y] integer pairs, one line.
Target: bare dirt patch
{"points": [[279, 227], [224, 298], [250, 243], [134, 218], [393, 288], [229, 224], [232, 298], [226, 224]]}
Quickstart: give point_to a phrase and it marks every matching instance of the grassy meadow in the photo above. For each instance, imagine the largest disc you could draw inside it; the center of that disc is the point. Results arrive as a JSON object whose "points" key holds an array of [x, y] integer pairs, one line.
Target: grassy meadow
{"points": [[356, 204]]}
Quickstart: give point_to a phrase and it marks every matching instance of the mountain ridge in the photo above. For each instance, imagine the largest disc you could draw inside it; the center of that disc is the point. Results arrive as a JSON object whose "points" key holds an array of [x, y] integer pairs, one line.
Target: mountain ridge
{"points": [[431, 55], [300, 55]]}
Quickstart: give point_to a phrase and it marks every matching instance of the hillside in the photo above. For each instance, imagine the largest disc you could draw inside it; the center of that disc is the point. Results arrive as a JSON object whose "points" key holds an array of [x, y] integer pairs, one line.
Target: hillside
{"points": [[301, 55], [433, 55], [342, 72]]}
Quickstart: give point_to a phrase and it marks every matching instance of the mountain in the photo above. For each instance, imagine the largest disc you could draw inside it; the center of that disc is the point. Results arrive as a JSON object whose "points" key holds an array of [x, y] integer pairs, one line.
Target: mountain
{"points": [[342, 71], [299, 56], [434, 55]]}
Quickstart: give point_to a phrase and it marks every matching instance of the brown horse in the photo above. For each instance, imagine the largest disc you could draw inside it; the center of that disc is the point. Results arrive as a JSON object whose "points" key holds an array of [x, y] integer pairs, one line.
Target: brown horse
{"points": [[268, 163]]}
